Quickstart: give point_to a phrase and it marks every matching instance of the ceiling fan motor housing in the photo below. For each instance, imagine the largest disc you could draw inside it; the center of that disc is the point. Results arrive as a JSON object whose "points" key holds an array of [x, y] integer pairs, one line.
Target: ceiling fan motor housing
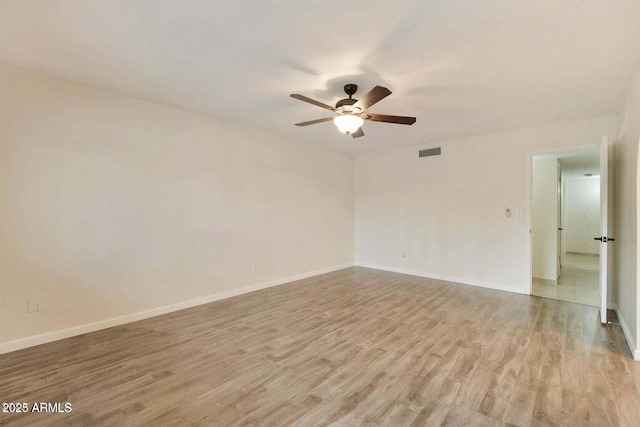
{"points": [[346, 102]]}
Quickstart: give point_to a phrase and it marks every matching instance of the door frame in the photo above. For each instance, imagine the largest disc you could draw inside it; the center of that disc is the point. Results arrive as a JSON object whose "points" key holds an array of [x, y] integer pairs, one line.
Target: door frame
{"points": [[571, 150]]}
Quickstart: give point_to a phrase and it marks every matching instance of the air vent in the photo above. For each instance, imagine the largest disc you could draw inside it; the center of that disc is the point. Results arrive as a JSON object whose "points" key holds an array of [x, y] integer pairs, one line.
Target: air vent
{"points": [[429, 152]]}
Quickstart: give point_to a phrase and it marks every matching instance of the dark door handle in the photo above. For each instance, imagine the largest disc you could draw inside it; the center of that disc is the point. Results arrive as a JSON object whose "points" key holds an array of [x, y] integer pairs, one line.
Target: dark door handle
{"points": [[560, 229], [605, 239], [598, 238]]}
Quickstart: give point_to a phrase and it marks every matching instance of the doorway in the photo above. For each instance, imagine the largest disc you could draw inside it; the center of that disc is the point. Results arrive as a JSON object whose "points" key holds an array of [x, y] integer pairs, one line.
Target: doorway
{"points": [[565, 218]]}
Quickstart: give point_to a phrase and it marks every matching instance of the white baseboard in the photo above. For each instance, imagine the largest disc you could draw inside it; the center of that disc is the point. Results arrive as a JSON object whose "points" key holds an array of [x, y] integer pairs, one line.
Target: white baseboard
{"points": [[454, 279], [627, 334], [34, 340]]}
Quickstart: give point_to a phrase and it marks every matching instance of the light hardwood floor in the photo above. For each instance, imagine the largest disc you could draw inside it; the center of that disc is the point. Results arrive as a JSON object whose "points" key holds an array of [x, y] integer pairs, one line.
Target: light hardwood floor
{"points": [[352, 347]]}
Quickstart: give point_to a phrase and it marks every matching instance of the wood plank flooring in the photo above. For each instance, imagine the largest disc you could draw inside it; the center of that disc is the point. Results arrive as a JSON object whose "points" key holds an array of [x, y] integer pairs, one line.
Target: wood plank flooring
{"points": [[352, 347]]}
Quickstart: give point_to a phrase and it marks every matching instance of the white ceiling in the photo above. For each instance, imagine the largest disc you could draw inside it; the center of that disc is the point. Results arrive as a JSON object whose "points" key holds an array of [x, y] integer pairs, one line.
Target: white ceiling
{"points": [[461, 67]]}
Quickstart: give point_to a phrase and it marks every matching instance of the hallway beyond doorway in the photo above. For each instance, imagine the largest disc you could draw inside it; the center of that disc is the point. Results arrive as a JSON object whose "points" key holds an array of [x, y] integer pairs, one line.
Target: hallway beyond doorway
{"points": [[579, 281]]}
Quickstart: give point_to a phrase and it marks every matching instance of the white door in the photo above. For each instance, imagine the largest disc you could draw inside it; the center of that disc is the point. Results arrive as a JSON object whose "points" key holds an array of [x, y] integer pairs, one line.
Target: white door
{"points": [[605, 228]]}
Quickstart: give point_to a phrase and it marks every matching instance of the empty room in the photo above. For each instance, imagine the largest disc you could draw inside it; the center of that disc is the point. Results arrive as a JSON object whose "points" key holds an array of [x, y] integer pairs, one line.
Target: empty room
{"points": [[411, 213]]}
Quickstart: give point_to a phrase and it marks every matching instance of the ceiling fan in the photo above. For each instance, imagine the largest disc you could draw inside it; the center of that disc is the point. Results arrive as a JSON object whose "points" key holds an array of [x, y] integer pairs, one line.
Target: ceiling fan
{"points": [[351, 112]]}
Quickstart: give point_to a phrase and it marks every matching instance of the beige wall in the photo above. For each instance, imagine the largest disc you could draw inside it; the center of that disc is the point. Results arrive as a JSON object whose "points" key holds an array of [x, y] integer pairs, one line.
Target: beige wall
{"points": [[544, 219], [626, 246], [447, 213], [111, 206]]}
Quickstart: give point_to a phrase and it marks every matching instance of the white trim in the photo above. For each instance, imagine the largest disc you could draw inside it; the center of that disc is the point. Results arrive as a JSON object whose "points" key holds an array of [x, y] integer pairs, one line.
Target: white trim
{"points": [[34, 340], [566, 151], [528, 202], [627, 334], [453, 279]]}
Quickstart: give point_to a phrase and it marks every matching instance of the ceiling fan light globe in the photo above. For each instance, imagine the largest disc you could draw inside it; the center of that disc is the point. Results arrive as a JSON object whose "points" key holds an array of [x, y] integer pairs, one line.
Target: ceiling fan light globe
{"points": [[348, 123]]}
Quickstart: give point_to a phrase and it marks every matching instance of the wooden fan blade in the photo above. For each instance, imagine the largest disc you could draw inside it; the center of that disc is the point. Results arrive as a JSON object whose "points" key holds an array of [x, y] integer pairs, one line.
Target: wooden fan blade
{"points": [[313, 122], [311, 101], [374, 95], [358, 133], [401, 120]]}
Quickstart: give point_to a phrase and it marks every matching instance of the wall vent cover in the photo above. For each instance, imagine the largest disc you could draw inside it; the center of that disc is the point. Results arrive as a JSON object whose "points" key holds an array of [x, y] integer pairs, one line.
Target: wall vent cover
{"points": [[429, 152]]}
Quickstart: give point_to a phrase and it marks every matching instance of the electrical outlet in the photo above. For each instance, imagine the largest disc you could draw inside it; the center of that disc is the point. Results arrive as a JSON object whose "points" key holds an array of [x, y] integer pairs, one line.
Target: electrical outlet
{"points": [[254, 266], [508, 212], [33, 305]]}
